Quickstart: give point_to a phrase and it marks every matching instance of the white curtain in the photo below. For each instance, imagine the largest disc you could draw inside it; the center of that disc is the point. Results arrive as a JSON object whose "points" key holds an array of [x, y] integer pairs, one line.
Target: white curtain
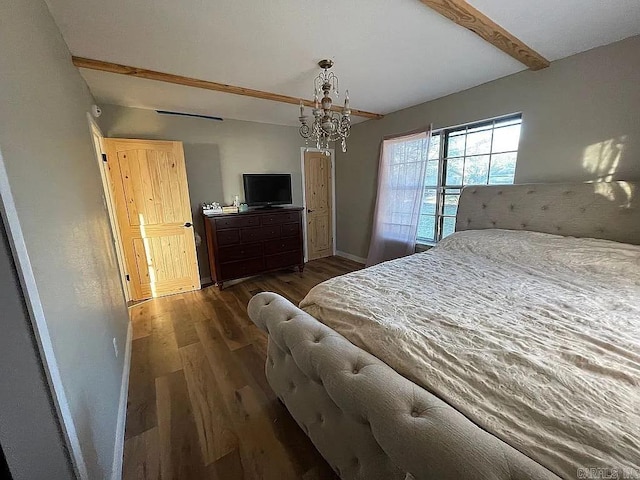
{"points": [[401, 172]]}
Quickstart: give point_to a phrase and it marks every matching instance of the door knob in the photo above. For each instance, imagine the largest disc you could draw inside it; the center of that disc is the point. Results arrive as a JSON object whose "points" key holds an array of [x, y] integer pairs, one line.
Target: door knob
{"points": [[188, 225]]}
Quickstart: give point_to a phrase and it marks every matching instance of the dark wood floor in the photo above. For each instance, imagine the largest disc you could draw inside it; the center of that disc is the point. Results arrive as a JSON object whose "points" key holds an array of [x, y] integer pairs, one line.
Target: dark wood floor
{"points": [[199, 406]]}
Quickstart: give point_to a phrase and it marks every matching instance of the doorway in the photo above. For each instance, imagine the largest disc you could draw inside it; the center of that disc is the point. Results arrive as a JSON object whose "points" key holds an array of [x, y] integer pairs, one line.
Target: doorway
{"points": [[318, 182]]}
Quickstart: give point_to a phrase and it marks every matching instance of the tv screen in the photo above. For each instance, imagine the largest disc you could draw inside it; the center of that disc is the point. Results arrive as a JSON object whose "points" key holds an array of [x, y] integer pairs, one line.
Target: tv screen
{"points": [[266, 189]]}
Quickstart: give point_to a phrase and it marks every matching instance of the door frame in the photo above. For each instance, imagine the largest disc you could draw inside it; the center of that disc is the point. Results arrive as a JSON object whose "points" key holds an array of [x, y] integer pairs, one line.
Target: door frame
{"points": [[96, 131], [333, 198]]}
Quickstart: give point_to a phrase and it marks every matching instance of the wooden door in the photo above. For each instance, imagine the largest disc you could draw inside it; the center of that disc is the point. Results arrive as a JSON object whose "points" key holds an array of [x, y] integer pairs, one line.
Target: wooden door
{"points": [[318, 198], [154, 216]]}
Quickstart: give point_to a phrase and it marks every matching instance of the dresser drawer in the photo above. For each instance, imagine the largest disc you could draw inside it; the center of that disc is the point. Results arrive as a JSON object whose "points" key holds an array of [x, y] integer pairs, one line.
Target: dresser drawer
{"points": [[236, 222], [277, 218], [243, 268], [281, 245], [240, 252], [228, 237], [255, 234], [288, 259], [290, 229]]}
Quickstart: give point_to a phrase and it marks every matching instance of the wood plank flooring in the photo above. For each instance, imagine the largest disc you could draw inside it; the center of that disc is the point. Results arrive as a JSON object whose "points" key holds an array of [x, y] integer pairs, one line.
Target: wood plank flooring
{"points": [[199, 405]]}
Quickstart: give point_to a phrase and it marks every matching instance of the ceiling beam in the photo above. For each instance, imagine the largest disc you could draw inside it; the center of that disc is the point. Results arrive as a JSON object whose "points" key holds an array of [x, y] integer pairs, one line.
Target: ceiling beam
{"points": [[467, 16], [204, 84]]}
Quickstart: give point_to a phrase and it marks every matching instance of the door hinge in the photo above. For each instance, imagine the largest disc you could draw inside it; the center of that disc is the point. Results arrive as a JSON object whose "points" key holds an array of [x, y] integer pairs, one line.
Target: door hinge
{"points": [[127, 277], [104, 157]]}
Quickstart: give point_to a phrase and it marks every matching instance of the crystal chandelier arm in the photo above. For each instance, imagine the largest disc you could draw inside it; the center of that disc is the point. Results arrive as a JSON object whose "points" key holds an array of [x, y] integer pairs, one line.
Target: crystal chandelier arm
{"points": [[305, 131], [317, 86], [330, 79]]}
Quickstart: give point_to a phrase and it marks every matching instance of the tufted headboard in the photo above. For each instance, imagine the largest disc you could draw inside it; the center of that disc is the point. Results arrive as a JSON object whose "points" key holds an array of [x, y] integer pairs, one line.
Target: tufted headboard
{"points": [[606, 210]]}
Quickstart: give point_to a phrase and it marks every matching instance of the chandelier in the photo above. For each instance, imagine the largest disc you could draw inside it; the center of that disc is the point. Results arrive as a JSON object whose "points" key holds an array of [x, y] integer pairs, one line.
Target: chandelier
{"points": [[328, 125]]}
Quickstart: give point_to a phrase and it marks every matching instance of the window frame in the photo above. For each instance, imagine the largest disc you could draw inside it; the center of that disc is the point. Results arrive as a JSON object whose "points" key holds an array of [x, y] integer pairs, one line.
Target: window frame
{"points": [[442, 187]]}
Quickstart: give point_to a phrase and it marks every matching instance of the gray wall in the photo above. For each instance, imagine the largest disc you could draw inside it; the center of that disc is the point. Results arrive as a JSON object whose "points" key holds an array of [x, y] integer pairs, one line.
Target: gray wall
{"points": [[216, 154], [29, 427], [57, 189], [581, 121]]}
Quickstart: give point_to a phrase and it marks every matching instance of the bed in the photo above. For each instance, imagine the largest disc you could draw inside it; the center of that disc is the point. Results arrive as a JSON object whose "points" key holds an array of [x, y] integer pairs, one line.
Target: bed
{"points": [[509, 351]]}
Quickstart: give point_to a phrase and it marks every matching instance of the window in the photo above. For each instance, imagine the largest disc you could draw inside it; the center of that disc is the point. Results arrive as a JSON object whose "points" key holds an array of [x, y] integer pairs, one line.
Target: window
{"points": [[482, 153]]}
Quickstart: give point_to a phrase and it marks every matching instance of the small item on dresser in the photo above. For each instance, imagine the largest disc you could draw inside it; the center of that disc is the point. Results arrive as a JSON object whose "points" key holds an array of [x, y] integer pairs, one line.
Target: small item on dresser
{"points": [[243, 207], [211, 208], [230, 209]]}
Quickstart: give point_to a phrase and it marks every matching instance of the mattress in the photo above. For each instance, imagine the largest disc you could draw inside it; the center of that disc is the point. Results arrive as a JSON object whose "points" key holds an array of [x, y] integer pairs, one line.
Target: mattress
{"points": [[533, 337]]}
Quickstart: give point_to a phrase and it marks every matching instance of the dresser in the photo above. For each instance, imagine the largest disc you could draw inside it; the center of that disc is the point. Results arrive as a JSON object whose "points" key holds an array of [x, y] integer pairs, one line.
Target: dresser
{"points": [[254, 242]]}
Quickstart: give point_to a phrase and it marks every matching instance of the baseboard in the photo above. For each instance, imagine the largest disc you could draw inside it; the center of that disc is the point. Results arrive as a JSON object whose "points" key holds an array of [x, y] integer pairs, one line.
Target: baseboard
{"points": [[118, 451], [205, 281], [351, 257]]}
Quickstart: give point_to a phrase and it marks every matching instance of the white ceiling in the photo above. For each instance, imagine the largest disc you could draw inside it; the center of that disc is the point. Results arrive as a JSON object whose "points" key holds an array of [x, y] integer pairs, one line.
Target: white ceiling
{"points": [[390, 54]]}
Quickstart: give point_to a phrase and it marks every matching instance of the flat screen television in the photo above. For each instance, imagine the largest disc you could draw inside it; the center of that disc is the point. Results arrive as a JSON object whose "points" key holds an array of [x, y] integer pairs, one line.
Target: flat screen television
{"points": [[267, 189]]}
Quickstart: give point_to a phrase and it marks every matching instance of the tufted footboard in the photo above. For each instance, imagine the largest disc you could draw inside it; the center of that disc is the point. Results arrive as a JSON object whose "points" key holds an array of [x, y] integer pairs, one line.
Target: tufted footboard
{"points": [[364, 418]]}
